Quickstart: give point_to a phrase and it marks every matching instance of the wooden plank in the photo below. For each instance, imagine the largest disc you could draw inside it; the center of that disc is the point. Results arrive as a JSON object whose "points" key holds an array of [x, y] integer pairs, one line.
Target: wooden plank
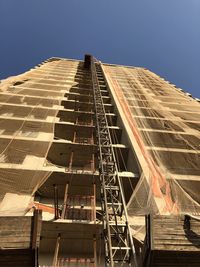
{"points": [[21, 245], [19, 238], [171, 233], [15, 224], [15, 239], [16, 257]]}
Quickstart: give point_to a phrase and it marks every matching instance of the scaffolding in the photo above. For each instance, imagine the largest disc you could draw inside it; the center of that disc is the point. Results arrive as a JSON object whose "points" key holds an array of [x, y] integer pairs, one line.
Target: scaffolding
{"points": [[119, 247]]}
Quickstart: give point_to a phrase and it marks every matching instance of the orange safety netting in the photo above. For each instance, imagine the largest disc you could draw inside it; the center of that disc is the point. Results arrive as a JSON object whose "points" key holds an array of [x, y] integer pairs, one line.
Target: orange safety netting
{"points": [[165, 138]]}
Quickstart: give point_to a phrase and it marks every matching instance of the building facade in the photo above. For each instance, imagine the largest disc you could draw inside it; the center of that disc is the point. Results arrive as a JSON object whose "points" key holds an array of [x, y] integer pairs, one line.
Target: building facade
{"points": [[109, 155]]}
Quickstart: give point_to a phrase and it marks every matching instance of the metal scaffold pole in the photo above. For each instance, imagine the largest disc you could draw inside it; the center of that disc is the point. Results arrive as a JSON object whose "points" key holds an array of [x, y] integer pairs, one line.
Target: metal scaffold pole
{"points": [[119, 247]]}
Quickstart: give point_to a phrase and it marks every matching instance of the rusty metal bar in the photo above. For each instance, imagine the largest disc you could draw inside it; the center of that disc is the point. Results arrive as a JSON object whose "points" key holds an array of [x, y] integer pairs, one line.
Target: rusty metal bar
{"points": [[55, 258], [93, 163], [56, 201], [71, 160], [92, 136], [74, 137], [94, 203], [95, 250], [65, 201]]}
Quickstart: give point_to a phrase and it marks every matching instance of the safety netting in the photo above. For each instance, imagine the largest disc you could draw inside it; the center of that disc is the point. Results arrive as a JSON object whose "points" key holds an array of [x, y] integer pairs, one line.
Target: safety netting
{"points": [[29, 103], [163, 125]]}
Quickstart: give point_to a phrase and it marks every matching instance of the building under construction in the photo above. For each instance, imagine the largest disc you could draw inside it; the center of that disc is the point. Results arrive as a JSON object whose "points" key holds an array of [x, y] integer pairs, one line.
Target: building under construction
{"points": [[99, 166]]}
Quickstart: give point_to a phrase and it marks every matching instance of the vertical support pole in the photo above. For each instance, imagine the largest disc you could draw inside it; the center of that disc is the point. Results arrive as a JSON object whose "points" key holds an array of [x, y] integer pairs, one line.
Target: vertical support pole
{"points": [[91, 120], [149, 245], [55, 258], [92, 136], [94, 202], [35, 221], [56, 201], [65, 201], [74, 137], [93, 154], [95, 250], [71, 160], [75, 107], [92, 163], [148, 233]]}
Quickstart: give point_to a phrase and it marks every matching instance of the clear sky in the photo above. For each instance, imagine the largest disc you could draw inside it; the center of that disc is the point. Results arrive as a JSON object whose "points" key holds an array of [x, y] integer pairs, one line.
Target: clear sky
{"points": [[161, 35]]}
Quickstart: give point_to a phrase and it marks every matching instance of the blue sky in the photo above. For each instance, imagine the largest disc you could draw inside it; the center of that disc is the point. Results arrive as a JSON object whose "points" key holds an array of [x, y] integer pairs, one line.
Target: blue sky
{"points": [[161, 35]]}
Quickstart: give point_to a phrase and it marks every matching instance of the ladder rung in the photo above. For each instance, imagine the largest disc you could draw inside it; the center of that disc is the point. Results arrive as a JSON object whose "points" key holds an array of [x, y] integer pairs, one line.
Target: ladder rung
{"points": [[121, 248], [118, 224], [112, 187], [119, 233], [122, 260], [116, 204]]}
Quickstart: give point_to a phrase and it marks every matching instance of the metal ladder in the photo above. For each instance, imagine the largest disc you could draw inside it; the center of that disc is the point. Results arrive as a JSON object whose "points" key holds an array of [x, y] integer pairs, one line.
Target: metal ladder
{"points": [[119, 247]]}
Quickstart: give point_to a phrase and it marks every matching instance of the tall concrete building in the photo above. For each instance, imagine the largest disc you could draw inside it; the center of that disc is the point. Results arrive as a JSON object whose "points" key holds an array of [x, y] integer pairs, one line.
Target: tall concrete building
{"points": [[99, 166]]}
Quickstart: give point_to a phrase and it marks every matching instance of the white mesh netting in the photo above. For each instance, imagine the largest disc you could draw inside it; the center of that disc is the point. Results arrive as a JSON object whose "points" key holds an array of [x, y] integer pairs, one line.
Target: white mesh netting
{"points": [[28, 113], [163, 126]]}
